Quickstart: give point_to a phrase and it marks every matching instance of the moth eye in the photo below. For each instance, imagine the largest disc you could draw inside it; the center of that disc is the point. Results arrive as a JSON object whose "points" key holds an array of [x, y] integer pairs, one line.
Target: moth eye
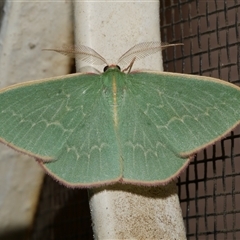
{"points": [[105, 68], [118, 67]]}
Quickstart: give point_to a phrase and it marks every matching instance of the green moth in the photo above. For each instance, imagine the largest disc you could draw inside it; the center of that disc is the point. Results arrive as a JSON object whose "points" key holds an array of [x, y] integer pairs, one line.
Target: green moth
{"points": [[143, 128]]}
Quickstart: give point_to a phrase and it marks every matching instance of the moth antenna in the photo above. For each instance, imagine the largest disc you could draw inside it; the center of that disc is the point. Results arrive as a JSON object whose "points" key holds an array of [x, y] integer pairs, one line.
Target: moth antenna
{"points": [[129, 68], [143, 50], [81, 52]]}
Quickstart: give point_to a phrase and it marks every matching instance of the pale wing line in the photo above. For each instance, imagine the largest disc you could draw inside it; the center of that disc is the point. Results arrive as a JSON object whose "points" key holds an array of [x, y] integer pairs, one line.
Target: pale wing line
{"points": [[25, 106], [144, 148], [171, 120], [99, 147], [145, 157], [65, 101], [156, 149], [130, 82], [234, 110], [38, 122], [161, 142], [207, 109], [88, 138], [153, 146], [73, 148], [202, 126], [183, 103], [180, 118], [196, 107], [21, 116], [9, 109], [143, 134], [49, 123], [156, 125]]}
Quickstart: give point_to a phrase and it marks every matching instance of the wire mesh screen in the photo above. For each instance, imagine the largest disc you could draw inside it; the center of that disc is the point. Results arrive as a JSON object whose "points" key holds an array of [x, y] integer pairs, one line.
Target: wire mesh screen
{"points": [[62, 213], [209, 191]]}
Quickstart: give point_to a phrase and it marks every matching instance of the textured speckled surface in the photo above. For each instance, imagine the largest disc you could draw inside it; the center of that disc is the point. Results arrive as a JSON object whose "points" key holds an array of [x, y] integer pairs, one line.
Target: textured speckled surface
{"points": [[26, 28], [133, 212]]}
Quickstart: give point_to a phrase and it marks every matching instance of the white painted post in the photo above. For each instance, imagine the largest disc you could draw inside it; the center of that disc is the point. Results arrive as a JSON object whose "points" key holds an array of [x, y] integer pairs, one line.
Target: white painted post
{"points": [[26, 28], [127, 211]]}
